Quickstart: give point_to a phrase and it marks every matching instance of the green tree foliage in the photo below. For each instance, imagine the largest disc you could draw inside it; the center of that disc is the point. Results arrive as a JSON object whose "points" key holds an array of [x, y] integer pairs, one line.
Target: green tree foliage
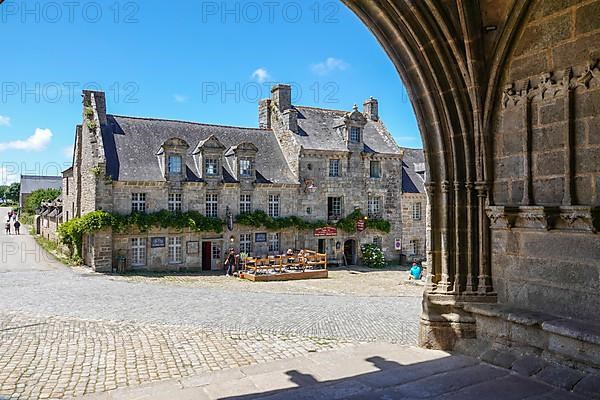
{"points": [[12, 193], [373, 256], [38, 197]]}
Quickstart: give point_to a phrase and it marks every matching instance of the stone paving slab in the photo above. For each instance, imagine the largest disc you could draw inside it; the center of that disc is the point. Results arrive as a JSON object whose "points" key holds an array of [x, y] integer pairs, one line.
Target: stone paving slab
{"points": [[419, 374]]}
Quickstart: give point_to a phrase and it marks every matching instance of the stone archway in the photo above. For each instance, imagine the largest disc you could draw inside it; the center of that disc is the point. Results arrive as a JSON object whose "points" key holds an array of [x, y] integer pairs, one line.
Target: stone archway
{"points": [[464, 65]]}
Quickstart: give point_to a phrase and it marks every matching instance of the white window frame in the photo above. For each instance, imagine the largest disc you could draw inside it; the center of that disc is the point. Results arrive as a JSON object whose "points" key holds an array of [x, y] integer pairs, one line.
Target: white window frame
{"points": [[212, 205], [274, 205], [175, 203], [378, 170], [216, 251], [334, 168], [170, 164], [138, 251], [245, 168], [246, 243], [417, 211], [245, 203], [354, 135], [175, 247], [138, 202], [415, 246], [274, 243], [209, 163], [336, 202], [374, 206]]}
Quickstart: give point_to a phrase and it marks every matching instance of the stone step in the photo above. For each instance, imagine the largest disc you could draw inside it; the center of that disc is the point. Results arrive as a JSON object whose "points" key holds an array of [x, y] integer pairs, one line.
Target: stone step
{"points": [[366, 371]]}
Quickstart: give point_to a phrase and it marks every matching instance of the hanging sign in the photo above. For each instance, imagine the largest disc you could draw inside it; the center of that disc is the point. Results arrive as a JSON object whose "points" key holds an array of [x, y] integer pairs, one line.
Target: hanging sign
{"points": [[360, 225]]}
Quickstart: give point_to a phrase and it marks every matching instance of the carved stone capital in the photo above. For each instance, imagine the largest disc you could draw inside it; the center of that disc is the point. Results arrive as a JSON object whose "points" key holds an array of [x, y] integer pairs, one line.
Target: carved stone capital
{"points": [[565, 218]]}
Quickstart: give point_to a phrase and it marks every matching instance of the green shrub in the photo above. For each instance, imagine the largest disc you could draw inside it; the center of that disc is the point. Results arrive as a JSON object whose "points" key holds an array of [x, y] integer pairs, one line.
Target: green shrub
{"points": [[373, 256]]}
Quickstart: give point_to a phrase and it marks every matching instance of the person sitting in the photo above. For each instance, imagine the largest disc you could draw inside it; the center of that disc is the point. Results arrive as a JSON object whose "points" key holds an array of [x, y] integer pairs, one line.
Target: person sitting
{"points": [[416, 271]]}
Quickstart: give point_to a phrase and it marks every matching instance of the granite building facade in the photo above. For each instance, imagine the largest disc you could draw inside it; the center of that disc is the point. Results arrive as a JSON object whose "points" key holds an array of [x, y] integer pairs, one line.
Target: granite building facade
{"points": [[316, 164]]}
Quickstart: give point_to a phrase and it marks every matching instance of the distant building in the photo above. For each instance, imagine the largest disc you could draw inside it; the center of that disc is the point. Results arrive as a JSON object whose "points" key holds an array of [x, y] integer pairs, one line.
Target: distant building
{"points": [[311, 163], [415, 208], [31, 183]]}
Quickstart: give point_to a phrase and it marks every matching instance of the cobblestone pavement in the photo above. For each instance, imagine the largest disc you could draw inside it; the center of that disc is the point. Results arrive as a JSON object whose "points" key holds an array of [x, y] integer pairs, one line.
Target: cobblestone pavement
{"points": [[355, 281], [60, 357], [70, 330]]}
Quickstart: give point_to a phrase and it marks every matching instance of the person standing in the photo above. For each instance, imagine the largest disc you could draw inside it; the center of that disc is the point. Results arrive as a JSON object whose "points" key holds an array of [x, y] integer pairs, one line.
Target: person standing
{"points": [[17, 226], [7, 226], [230, 262]]}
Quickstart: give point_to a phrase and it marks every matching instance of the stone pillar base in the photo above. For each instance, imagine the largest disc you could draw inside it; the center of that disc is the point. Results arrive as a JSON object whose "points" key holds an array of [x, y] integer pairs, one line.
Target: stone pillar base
{"points": [[444, 335]]}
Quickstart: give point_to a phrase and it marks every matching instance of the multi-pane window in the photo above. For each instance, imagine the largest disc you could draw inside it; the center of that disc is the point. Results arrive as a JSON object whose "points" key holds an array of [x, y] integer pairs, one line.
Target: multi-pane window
{"points": [[138, 252], [245, 204], [415, 246], [175, 250], [274, 241], [175, 165], [246, 243], [245, 168], [334, 207], [211, 166], [378, 241], [334, 168], [375, 169], [216, 252], [138, 202], [212, 205], [175, 202], [416, 211], [374, 206], [354, 134], [274, 206]]}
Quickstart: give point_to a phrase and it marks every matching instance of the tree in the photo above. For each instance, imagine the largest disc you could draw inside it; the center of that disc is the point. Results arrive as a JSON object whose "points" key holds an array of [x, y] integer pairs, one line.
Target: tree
{"points": [[35, 199], [13, 192], [3, 190]]}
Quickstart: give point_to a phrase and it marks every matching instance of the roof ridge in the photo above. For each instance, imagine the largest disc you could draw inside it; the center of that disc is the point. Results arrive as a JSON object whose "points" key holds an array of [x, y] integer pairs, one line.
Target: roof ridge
{"points": [[323, 109], [41, 176], [190, 122]]}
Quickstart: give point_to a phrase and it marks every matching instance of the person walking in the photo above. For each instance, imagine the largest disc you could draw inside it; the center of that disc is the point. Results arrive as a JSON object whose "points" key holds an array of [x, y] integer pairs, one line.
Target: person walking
{"points": [[7, 226], [17, 226], [230, 262]]}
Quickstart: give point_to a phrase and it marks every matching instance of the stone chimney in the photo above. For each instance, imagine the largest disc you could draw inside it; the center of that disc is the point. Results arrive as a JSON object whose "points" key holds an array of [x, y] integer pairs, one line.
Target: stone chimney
{"points": [[96, 100], [282, 96], [290, 120], [371, 109], [264, 114]]}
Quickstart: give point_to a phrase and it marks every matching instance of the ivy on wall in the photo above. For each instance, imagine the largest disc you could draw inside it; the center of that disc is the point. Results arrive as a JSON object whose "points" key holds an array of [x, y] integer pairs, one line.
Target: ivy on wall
{"points": [[259, 219], [71, 232]]}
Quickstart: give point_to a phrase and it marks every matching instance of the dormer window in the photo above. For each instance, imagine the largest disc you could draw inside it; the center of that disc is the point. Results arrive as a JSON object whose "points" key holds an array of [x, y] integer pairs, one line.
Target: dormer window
{"points": [[175, 165], [211, 167], [245, 168], [354, 134]]}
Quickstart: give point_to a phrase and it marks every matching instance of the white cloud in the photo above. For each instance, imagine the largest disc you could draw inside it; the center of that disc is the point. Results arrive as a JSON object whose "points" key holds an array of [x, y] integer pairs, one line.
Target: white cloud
{"points": [[329, 65], [68, 151], [36, 142], [4, 121], [261, 75], [180, 98], [7, 177]]}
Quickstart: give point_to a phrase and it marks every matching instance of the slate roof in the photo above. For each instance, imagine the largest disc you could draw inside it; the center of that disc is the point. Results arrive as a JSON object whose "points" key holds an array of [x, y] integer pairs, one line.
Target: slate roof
{"points": [[413, 162], [317, 132], [131, 144], [31, 183]]}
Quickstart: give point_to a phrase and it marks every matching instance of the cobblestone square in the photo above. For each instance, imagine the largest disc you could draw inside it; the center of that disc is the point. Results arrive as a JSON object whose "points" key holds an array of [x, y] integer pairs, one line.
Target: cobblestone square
{"points": [[67, 332]]}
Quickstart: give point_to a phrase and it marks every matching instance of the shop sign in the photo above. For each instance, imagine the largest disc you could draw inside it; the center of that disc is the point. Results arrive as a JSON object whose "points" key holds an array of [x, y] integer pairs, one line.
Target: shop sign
{"points": [[326, 231], [360, 225]]}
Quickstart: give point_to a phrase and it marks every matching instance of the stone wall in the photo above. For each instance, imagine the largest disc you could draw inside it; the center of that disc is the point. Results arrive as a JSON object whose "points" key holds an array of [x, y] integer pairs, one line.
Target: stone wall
{"points": [[414, 229], [547, 164]]}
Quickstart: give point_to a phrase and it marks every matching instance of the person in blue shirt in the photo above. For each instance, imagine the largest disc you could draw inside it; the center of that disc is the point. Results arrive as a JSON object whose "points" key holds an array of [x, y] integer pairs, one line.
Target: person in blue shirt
{"points": [[415, 272]]}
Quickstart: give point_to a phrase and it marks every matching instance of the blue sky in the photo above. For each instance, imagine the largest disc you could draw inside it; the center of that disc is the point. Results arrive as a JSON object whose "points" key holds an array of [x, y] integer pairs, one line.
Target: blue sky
{"points": [[193, 60]]}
